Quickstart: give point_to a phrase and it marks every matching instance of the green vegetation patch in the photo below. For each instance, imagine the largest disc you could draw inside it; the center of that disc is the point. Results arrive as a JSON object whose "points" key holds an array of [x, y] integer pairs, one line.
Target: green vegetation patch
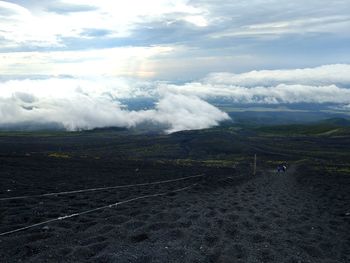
{"points": [[305, 130], [59, 155]]}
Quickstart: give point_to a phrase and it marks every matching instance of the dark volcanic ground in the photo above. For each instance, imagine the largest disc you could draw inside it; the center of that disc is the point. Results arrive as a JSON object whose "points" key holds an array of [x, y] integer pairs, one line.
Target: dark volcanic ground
{"points": [[227, 215], [224, 218]]}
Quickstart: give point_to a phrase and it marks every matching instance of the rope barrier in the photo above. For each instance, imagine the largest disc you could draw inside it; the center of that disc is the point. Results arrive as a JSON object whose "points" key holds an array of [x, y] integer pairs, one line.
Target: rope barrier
{"points": [[95, 209], [99, 189]]}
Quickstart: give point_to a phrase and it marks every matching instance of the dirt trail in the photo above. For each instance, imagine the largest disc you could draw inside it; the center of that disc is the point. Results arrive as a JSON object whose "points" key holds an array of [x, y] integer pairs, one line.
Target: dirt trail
{"points": [[272, 217], [285, 223]]}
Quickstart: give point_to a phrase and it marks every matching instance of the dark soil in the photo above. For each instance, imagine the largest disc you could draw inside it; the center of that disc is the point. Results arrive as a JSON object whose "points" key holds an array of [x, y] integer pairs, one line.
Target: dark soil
{"points": [[302, 215]]}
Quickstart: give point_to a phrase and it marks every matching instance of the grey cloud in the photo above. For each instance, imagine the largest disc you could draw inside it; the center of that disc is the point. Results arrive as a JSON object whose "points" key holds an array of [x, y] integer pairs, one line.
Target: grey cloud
{"points": [[272, 34], [242, 13], [7, 13], [64, 8], [95, 32], [323, 75], [167, 30]]}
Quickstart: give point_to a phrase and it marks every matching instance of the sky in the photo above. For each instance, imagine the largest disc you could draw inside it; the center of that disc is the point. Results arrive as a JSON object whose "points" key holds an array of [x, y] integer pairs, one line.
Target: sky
{"points": [[56, 56]]}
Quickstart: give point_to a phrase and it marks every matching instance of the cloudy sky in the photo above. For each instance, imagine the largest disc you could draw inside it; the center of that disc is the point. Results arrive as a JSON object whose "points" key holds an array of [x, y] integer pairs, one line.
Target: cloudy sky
{"points": [[179, 51], [170, 39]]}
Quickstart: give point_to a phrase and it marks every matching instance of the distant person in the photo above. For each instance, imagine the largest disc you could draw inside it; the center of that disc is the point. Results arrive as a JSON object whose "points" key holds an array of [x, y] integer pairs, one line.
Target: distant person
{"points": [[282, 167], [279, 168]]}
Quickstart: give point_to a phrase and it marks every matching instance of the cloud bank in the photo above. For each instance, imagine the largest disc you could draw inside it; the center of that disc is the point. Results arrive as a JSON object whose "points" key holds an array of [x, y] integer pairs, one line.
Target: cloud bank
{"points": [[81, 104], [325, 84], [97, 102], [323, 75]]}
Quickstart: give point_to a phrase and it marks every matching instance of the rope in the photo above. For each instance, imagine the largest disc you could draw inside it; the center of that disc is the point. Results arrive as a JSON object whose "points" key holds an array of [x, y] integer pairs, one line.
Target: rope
{"points": [[99, 189], [95, 209]]}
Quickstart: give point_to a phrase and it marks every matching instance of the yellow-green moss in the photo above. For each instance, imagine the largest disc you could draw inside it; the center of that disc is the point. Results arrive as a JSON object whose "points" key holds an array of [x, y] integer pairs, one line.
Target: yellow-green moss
{"points": [[59, 155]]}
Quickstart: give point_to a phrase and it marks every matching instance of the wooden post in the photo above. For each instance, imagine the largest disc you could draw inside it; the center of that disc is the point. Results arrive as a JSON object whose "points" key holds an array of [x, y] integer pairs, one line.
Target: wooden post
{"points": [[254, 168]]}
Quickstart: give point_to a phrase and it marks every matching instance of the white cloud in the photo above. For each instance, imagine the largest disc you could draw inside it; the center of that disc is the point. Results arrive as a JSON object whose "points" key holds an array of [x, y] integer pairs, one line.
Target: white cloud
{"points": [[122, 61], [324, 24], [86, 103], [323, 75], [185, 113], [18, 27], [281, 93], [325, 84], [81, 104], [212, 36], [21, 26]]}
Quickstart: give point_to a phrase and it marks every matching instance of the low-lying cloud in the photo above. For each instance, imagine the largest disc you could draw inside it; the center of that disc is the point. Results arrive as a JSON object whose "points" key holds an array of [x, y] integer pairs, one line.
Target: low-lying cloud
{"points": [[281, 93], [75, 107], [77, 104], [318, 76], [325, 84]]}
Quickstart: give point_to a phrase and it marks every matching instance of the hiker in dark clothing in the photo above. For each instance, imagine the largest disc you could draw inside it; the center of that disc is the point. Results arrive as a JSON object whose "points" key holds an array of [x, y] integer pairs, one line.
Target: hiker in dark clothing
{"points": [[282, 167]]}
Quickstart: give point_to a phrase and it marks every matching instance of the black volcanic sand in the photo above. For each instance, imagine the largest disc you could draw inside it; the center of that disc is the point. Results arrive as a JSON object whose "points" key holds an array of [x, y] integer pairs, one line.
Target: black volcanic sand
{"points": [[225, 218]]}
